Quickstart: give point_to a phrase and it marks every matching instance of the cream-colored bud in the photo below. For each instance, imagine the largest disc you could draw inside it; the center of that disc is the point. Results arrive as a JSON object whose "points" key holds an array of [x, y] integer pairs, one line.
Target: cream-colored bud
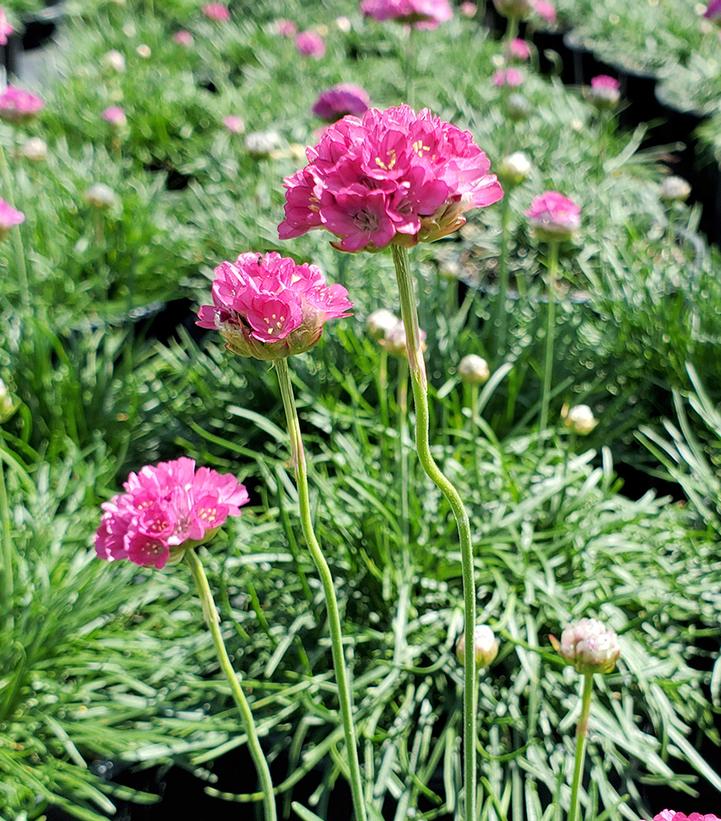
{"points": [[485, 646], [101, 196], [675, 189], [394, 340], [114, 60], [579, 419], [143, 51], [514, 169], [380, 322], [474, 370], [8, 403], [34, 149], [589, 646], [262, 143]]}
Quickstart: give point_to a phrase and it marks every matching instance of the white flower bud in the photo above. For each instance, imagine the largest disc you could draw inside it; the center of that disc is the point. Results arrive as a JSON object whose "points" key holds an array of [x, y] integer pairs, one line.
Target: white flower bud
{"points": [[394, 340], [514, 169], [34, 149], [101, 196], [474, 370], [589, 646], [343, 24], [485, 646], [675, 189], [262, 143], [7, 403], [114, 60], [143, 51], [380, 322], [518, 107], [579, 419]]}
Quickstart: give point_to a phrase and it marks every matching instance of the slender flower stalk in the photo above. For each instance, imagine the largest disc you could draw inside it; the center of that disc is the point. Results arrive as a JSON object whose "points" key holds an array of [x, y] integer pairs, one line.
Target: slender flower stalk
{"points": [[326, 578], [17, 239], [402, 449], [419, 384], [501, 314], [581, 737], [212, 619], [550, 333]]}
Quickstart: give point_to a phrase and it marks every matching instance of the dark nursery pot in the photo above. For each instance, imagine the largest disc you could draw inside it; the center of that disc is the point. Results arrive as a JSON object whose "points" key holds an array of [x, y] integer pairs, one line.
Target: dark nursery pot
{"points": [[548, 40], [582, 59], [10, 53], [41, 27]]}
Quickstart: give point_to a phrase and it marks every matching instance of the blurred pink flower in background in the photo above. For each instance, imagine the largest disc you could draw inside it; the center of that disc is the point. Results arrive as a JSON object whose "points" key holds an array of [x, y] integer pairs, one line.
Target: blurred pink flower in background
{"points": [[310, 44], [421, 13], [234, 124], [545, 10], [269, 307], [115, 116], [285, 28], [519, 49], [183, 38], [605, 91], [218, 12], [18, 105], [391, 176], [6, 28], [340, 100], [511, 77], [713, 11], [468, 9], [165, 507], [672, 815], [554, 216], [9, 218]]}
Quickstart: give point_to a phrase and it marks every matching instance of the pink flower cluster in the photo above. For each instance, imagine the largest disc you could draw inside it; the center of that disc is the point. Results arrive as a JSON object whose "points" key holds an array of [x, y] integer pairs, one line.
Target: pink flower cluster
{"points": [[6, 28], [427, 14], [18, 105], [340, 100], [114, 115], [183, 38], [310, 44], [218, 12], [605, 91], [285, 28], [519, 49], [164, 508], [672, 815], [391, 176], [554, 217], [713, 11], [269, 307], [9, 218], [234, 123], [545, 10], [508, 77]]}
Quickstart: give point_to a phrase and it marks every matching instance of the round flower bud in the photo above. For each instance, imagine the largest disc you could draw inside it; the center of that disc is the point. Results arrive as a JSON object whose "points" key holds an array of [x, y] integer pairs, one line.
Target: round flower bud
{"points": [[553, 217], [473, 370], [514, 169], [675, 189], [234, 124], [114, 60], [485, 646], [589, 646], [520, 9], [144, 51], [101, 196], [8, 404], [343, 24], [394, 340], [380, 322], [34, 149], [517, 107], [579, 419], [605, 92], [262, 143]]}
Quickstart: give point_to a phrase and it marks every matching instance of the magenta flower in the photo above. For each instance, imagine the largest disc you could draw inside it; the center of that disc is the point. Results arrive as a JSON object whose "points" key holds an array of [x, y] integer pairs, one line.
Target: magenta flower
{"points": [[310, 44], [285, 28], [519, 49], [18, 105], [672, 815], [183, 38], [511, 77], [6, 28], [545, 10], [340, 100], [115, 116], [427, 14], [605, 91], [554, 217], [468, 9], [9, 218], [269, 307], [164, 509], [218, 12], [234, 124], [393, 176], [713, 11]]}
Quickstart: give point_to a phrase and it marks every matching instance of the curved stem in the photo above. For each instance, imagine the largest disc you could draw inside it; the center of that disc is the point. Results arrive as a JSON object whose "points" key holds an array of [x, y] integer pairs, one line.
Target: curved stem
{"points": [[326, 578], [550, 334], [581, 735], [212, 619], [409, 312]]}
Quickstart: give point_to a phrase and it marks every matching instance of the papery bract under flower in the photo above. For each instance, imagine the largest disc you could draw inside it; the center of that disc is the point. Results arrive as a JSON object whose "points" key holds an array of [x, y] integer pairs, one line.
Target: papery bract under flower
{"points": [[269, 307], [427, 14], [393, 176], [18, 105], [340, 100], [218, 12], [554, 217], [310, 44], [9, 218], [165, 508]]}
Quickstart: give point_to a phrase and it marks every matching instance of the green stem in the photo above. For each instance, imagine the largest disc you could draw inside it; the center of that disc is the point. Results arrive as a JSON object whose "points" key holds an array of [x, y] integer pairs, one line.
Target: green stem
{"points": [[213, 621], [511, 31], [402, 449], [501, 312], [326, 578], [409, 312], [17, 239], [7, 550], [581, 735], [410, 66], [550, 334]]}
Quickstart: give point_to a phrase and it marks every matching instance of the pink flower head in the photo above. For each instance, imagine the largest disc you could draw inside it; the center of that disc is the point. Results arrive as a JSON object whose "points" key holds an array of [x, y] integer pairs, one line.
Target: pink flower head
{"points": [[5, 28], [427, 14], [285, 28], [605, 91], [165, 508], [511, 77], [392, 176], [554, 217], [115, 116], [218, 12], [589, 646], [468, 9], [9, 218], [519, 49], [269, 307], [545, 10], [310, 44], [340, 100], [234, 124], [18, 105], [713, 11], [183, 38], [672, 815]]}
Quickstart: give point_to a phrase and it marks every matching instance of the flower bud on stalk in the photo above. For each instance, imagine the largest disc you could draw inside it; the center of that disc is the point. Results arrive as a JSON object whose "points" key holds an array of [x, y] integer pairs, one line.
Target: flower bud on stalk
{"points": [[514, 169], [604, 92], [474, 370], [9, 218], [101, 196], [589, 646], [34, 149], [8, 403], [380, 322], [554, 217], [579, 419], [675, 189], [485, 646], [518, 9]]}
